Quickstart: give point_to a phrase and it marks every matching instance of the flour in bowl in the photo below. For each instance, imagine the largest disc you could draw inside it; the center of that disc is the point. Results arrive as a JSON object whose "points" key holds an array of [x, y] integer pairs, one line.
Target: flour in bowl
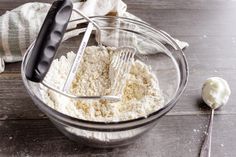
{"points": [[141, 95]]}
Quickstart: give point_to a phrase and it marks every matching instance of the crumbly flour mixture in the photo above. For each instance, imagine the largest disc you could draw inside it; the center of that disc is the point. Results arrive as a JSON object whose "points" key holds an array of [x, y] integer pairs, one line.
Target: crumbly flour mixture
{"points": [[141, 95]]}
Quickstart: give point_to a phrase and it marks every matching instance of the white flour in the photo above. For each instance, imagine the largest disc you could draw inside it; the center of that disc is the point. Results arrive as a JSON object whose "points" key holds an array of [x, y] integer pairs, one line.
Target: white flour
{"points": [[141, 95]]}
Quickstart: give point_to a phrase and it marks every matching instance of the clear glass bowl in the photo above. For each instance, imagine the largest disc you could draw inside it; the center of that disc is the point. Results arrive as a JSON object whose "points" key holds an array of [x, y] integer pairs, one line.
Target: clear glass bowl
{"points": [[164, 56]]}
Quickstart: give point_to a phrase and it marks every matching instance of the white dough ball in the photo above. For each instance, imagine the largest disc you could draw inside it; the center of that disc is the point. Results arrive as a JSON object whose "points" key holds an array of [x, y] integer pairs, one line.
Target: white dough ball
{"points": [[215, 92]]}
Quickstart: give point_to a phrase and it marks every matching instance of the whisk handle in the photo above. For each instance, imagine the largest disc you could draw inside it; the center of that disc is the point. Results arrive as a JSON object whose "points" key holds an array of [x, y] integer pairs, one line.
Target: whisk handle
{"points": [[48, 40]]}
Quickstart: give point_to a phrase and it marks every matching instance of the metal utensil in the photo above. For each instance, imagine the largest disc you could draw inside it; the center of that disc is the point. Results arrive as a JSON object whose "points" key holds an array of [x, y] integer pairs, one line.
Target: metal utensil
{"points": [[120, 67], [206, 147], [50, 36], [215, 93]]}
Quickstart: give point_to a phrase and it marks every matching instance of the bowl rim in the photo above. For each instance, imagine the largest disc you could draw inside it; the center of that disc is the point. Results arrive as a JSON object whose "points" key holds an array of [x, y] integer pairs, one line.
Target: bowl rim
{"points": [[121, 125]]}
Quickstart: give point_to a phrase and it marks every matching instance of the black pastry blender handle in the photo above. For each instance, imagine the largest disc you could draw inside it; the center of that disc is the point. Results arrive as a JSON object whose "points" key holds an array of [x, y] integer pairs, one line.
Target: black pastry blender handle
{"points": [[48, 40]]}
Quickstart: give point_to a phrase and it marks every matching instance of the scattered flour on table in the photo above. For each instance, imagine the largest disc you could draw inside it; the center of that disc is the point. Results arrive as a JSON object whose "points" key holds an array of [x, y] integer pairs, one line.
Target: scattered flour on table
{"points": [[141, 95]]}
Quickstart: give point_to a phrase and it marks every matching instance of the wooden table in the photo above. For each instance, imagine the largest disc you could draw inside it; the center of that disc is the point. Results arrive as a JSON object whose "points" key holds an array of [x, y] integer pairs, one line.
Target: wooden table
{"points": [[210, 29]]}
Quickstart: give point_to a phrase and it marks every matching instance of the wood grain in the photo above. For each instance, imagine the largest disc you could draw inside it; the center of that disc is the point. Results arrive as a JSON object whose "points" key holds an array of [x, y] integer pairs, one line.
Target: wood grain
{"points": [[40, 138], [210, 29]]}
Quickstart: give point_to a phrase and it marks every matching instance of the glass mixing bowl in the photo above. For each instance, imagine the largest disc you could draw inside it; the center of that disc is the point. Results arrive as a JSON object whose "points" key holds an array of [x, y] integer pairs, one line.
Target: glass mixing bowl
{"points": [[154, 47]]}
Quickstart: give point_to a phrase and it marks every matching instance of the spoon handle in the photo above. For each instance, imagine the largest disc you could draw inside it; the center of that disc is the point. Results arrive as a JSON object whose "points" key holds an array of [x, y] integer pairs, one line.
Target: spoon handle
{"points": [[206, 147]]}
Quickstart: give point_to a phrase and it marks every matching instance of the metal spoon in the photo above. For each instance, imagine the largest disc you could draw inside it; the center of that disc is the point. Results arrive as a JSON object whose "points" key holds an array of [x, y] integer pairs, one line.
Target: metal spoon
{"points": [[213, 89], [206, 147]]}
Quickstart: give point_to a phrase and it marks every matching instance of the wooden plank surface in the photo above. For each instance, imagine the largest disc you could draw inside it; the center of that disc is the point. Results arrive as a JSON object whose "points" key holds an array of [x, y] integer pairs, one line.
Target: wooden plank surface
{"points": [[210, 29], [40, 138]]}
